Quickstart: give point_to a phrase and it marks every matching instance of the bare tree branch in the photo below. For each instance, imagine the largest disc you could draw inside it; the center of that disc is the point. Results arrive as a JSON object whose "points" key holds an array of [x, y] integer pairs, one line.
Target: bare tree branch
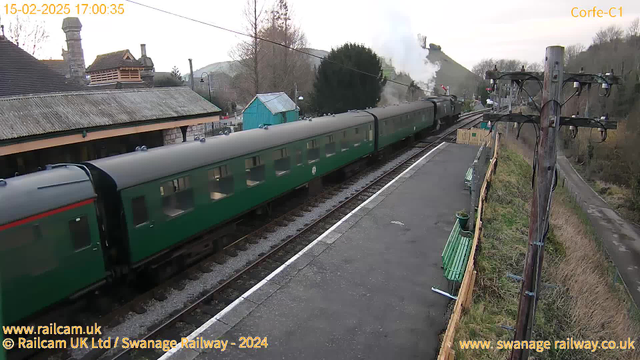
{"points": [[27, 34]]}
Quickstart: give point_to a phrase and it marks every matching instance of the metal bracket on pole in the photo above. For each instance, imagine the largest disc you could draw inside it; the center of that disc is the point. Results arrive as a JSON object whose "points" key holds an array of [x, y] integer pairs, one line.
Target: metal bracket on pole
{"points": [[514, 277]]}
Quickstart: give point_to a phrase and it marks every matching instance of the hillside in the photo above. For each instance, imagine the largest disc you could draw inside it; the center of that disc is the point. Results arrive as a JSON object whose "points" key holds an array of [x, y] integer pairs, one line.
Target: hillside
{"points": [[462, 81], [232, 67]]}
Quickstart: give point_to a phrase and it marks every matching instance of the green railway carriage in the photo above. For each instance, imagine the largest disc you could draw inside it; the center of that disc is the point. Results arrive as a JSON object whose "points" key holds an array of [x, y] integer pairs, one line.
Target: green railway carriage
{"points": [[173, 193], [2, 356], [49, 240], [396, 122], [67, 230]]}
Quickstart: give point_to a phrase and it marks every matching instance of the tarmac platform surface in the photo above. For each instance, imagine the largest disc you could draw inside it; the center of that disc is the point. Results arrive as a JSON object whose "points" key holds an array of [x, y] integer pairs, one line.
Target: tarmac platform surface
{"points": [[363, 288]]}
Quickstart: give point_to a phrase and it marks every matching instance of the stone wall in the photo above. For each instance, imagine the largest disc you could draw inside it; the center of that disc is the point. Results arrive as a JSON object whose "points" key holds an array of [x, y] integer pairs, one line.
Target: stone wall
{"points": [[174, 136]]}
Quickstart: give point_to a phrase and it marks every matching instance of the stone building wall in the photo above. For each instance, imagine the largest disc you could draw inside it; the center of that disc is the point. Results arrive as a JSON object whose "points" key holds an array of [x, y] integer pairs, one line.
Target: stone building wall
{"points": [[174, 136]]}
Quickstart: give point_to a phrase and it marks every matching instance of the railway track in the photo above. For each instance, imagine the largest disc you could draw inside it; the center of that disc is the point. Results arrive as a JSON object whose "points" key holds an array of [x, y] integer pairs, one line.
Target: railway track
{"points": [[183, 322]]}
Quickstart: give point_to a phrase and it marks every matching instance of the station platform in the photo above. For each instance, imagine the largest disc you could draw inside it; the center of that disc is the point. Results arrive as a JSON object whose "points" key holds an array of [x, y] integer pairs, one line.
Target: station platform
{"points": [[363, 288]]}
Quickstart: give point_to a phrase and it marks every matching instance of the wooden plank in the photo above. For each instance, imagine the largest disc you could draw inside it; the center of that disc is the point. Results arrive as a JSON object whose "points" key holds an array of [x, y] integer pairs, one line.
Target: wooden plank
{"points": [[468, 296]]}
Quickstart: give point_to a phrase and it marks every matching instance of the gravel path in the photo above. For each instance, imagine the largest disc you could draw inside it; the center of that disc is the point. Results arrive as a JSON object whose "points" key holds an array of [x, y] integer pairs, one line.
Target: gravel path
{"points": [[136, 325]]}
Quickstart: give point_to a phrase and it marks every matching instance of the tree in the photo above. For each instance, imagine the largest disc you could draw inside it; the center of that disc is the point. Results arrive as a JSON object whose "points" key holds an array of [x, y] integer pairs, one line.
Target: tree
{"points": [[284, 67], [27, 34], [175, 73], [338, 88], [634, 28], [608, 34], [247, 53], [571, 53]]}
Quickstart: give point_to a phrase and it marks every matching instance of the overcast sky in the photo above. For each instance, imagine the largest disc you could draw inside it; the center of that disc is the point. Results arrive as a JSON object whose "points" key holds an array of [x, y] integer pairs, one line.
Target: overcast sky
{"points": [[468, 31]]}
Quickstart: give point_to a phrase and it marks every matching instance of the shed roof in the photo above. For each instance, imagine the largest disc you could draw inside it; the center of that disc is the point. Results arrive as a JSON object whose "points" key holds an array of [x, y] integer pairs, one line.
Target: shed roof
{"points": [[277, 102], [35, 193], [143, 166], [21, 73], [114, 60], [29, 115]]}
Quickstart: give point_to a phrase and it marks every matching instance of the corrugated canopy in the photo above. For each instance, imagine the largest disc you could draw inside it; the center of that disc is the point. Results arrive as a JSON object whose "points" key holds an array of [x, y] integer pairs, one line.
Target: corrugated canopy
{"points": [[276, 102], [29, 115]]}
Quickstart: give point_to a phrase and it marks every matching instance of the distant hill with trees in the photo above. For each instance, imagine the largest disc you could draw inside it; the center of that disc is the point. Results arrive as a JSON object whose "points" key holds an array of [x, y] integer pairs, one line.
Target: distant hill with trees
{"points": [[462, 81]]}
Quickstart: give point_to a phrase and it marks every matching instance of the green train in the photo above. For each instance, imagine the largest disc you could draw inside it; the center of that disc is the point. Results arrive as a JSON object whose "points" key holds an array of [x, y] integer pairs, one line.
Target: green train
{"points": [[67, 230]]}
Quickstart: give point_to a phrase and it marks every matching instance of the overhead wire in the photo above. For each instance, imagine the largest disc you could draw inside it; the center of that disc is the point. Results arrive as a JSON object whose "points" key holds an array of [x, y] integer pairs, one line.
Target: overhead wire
{"points": [[262, 39]]}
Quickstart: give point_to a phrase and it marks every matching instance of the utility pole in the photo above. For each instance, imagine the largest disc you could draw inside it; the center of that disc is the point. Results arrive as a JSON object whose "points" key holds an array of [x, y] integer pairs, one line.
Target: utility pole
{"points": [[541, 202], [191, 74], [549, 123]]}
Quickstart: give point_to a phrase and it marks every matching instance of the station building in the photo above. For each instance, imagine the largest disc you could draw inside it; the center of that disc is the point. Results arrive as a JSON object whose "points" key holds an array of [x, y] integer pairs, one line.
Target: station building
{"points": [[47, 117]]}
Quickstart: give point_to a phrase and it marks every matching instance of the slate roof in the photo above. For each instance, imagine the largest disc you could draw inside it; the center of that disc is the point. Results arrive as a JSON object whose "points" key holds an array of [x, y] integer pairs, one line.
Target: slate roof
{"points": [[277, 102], [23, 116], [21, 73], [59, 66], [113, 60]]}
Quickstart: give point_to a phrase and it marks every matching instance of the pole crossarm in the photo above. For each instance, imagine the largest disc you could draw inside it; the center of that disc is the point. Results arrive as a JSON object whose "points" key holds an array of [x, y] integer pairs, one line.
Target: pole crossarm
{"points": [[582, 78], [564, 120]]}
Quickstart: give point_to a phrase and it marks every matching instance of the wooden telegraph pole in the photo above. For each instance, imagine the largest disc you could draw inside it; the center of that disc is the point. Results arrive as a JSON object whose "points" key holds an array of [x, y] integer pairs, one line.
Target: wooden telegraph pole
{"points": [[549, 123], [540, 204]]}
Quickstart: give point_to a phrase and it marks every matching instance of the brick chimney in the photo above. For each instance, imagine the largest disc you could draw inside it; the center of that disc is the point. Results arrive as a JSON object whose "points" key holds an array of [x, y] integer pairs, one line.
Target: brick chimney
{"points": [[149, 70], [74, 56]]}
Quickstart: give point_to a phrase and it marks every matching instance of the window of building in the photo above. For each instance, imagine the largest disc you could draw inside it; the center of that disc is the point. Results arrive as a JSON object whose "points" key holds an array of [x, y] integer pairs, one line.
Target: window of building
{"points": [[254, 169], [139, 211], [19, 237], [220, 182], [281, 161], [177, 196], [80, 233], [344, 141], [299, 156], [313, 152], [330, 146]]}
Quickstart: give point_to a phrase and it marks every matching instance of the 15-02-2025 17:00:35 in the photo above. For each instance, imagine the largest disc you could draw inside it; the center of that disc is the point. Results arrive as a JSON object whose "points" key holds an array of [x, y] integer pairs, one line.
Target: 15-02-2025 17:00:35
{"points": [[64, 9]]}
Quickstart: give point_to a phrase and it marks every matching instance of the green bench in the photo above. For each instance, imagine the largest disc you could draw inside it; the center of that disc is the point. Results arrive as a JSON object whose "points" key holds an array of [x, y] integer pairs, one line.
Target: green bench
{"points": [[456, 253], [468, 177]]}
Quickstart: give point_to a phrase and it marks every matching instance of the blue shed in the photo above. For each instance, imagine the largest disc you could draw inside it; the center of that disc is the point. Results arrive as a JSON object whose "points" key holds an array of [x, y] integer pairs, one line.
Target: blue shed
{"points": [[269, 109]]}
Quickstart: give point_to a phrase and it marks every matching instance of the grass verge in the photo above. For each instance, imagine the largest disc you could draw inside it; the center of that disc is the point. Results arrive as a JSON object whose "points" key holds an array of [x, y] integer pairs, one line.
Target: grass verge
{"points": [[583, 302]]}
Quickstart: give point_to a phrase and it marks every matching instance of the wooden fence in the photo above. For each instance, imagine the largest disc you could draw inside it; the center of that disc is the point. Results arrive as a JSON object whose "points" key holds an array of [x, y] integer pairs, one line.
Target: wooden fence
{"points": [[473, 136], [466, 289]]}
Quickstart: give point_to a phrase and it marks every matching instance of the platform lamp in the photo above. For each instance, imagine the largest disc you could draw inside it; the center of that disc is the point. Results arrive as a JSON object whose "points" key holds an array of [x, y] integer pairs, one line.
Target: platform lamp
{"points": [[208, 83]]}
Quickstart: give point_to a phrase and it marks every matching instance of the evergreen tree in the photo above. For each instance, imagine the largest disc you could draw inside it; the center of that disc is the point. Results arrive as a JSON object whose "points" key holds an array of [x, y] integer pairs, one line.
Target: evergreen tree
{"points": [[339, 89]]}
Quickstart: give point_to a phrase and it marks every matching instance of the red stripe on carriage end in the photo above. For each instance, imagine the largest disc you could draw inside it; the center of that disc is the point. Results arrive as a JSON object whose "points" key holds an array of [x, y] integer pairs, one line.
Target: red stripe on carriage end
{"points": [[45, 214]]}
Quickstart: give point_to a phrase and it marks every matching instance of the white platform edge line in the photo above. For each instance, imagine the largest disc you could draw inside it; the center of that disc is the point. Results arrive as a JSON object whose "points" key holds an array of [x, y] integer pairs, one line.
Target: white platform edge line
{"points": [[257, 286]]}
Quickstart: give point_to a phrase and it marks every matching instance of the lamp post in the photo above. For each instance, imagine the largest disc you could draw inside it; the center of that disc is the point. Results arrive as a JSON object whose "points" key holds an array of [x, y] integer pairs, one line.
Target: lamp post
{"points": [[208, 82]]}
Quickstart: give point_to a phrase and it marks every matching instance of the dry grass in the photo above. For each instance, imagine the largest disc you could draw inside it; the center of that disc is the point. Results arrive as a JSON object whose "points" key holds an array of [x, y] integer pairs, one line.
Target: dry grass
{"points": [[599, 307], [586, 302]]}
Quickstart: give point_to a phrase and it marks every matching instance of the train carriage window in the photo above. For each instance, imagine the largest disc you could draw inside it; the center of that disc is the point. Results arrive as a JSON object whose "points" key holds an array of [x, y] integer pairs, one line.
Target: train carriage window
{"points": [[19, 237], [313, 152], [370, 137], [357, 136], [254, 168], [299, 156], [344, 141], [80, 233], [139, 211], [177, 196], [220, 182], [330, 146], [281, 161]]}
